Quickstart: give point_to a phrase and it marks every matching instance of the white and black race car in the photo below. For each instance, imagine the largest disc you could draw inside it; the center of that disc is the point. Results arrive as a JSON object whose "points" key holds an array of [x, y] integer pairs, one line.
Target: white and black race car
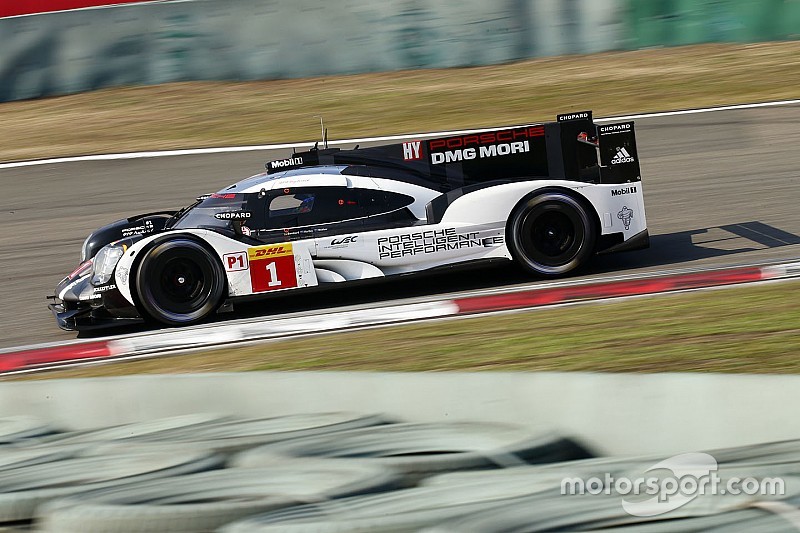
{"points": [[548, 196]]}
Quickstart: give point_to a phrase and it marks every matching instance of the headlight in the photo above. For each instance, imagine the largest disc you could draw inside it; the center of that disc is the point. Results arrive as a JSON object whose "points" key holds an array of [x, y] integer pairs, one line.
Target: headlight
{"points": [[104, 263]]}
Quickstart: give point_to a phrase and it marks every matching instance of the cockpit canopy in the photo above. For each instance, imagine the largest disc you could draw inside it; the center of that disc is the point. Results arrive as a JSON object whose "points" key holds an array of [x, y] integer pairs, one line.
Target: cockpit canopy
{"points": [[294, 212]]}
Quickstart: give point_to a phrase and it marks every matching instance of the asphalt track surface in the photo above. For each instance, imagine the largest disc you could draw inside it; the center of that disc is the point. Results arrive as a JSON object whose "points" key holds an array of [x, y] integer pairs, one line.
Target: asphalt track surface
{"points": [[721, 188]]}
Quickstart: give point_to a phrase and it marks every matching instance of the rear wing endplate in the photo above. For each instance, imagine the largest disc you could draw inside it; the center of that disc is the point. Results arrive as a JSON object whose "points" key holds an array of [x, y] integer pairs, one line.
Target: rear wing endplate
{"points": [[619, 158]]}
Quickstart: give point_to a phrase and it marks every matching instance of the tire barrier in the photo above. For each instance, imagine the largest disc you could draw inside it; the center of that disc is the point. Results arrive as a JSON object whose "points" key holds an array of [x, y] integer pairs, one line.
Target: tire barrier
{"points": [[348, 472], [19, 428], [230, 436], [530, 498], [11, 458], [205, 501], [423, 449], [242, 433], [23, 489], [403, 510], [137, 431], [568, 513]]}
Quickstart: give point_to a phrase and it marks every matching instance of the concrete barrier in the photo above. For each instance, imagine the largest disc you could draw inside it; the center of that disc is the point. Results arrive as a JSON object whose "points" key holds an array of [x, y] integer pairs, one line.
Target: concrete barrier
{"points": [[614, 414], [157, 42]]}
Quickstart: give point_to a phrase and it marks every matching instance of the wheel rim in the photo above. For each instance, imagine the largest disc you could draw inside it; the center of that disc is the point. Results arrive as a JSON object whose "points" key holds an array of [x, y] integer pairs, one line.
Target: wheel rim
{"points": [[183, 285], [552, 237]]}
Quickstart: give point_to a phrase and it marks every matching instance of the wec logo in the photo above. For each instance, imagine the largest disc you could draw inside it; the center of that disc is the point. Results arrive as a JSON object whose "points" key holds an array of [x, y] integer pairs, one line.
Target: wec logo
{"points": [[346, 240]]}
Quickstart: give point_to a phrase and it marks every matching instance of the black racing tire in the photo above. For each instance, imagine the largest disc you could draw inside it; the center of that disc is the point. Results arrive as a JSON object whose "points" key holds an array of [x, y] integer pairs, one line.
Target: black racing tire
{"points": [[423, 449], [19, 428], [24, 489], [551, 234], [179, 282], [209, 500]]}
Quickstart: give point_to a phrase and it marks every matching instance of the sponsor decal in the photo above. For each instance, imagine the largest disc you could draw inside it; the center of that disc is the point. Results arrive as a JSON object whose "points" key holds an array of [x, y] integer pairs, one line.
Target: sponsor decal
{"points": [[412, 150], [272, 267], [574, 116], [342, 242], [147, 227], [297, 234], [625, 190], [104, 288], [626, 215], [122, 274], [295, 181], [492, 150], [226, 196], [431, 241], [246, 231], [275, 250], [345, 240], [236, 261], [622, 156], [616, 128], [288, 162], [489, 137], [233, 215]]}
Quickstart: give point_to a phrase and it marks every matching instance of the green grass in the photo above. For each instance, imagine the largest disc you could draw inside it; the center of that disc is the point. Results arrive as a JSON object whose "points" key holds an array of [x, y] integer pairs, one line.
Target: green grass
{"points": [[750, 329], [202, 114]]}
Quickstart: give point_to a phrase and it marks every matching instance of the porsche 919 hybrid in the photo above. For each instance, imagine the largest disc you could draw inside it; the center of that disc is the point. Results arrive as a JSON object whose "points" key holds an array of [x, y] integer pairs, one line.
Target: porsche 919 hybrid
{"points": [[546, 196]]}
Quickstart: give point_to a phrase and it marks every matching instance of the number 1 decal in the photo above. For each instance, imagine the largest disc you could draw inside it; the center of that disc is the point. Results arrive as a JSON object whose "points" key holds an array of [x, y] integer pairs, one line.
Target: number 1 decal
{"points": [[272, 267]]}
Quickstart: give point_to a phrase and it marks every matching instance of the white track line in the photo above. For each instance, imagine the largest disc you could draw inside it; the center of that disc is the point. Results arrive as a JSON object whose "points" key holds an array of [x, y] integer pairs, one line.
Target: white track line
{"points": [[254, 148], [789, 266], [168, 350]]}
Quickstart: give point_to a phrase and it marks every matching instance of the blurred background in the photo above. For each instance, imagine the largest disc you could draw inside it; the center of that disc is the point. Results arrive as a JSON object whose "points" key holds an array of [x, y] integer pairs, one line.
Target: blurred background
{"points": [[142, 43]]}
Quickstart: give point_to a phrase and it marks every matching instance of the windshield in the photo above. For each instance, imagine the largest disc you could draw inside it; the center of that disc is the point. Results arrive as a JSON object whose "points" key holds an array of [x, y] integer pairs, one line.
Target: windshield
{"points": [[219, 211]]}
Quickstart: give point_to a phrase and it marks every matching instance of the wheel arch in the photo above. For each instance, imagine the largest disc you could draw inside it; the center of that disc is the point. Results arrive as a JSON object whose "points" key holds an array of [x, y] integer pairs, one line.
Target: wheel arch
{"points": [[582, 201], [572, 193]]}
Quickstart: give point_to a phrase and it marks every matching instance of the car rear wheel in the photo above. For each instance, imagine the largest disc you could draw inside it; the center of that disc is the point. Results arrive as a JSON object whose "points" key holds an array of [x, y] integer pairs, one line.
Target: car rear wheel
{"points": [[551, 234], [180, 282]]}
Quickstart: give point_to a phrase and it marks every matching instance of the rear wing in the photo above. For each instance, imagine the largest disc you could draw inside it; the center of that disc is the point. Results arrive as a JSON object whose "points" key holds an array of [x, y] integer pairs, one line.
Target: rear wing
{"points": [[571, 148], [599, 153]]}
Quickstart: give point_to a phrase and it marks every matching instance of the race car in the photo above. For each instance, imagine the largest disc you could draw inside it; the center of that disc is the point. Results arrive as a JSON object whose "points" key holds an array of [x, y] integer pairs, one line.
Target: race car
{"points": [[547, 196]]}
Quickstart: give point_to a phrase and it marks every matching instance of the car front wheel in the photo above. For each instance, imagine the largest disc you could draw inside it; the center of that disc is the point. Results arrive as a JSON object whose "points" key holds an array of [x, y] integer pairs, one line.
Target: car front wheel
{"points": [[180, 282]]}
